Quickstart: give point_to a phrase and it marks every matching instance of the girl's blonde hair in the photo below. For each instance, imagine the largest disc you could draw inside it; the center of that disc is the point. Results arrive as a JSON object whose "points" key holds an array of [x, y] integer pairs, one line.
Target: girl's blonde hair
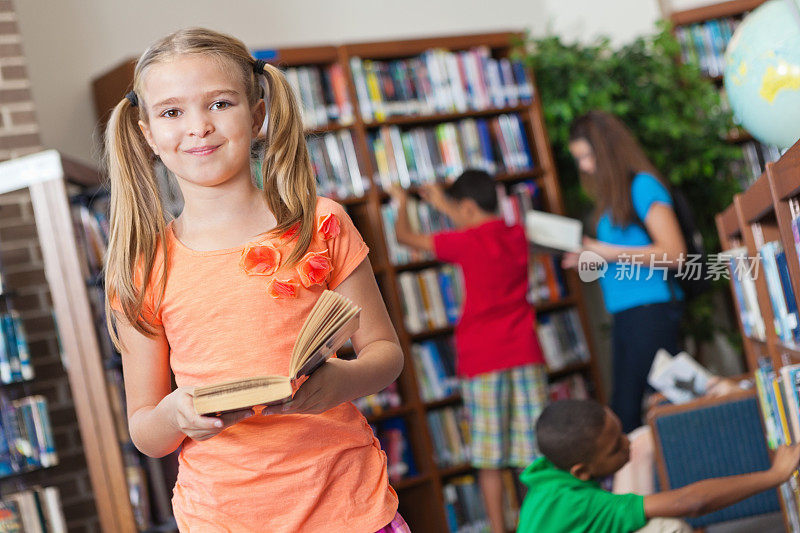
{"points": [[137, 218]]}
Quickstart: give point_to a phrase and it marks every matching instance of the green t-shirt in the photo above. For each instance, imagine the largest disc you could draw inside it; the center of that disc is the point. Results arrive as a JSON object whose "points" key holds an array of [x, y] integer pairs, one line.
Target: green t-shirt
{"points": [[558, 502]]}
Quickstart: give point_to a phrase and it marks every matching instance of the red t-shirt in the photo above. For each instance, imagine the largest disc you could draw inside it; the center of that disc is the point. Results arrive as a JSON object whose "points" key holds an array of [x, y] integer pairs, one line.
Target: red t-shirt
{"points": [[497, 325]]}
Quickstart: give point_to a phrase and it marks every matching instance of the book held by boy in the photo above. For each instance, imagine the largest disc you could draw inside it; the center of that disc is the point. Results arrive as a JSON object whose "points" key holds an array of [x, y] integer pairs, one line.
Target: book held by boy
{"points": [[332, 321], [553, 232]]}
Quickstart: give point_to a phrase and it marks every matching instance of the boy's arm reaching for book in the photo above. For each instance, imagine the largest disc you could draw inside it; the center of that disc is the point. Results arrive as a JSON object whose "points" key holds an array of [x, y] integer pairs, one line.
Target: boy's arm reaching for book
{"points": [[379, 362], [159, 418], [402, 227], [712, 494]]}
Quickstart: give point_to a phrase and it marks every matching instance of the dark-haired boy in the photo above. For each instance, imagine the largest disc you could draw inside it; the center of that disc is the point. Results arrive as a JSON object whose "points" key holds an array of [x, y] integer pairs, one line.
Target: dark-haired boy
{"points": [[582, 441], [504, 382]]}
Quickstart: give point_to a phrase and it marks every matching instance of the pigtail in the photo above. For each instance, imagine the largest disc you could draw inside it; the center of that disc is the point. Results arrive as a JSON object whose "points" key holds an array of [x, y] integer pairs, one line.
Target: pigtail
{"points": [[287, 174], [136, 218]]}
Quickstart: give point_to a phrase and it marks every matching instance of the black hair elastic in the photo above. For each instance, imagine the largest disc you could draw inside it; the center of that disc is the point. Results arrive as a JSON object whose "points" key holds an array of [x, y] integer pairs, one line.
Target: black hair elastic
{"points": [[258, 66], [132, 98]]}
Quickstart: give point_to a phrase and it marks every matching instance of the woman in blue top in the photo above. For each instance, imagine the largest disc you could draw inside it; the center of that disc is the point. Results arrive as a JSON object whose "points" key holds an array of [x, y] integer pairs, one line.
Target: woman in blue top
{"points": [[639, 235]]}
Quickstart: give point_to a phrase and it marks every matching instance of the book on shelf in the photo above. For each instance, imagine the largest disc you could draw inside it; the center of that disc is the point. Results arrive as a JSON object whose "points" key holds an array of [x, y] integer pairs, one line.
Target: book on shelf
{"points": [[27, 436], [742, 270], [464, 507], [423, 219], [434, 363], [439, 81], [679, 378], [335, 163], [428, 154], [15, 361], [450, 435], [393, 436], [781, 295], [377, 403], [332, 321], [546, 282], [431, 298], [570, 387], [704, 43], [37, 510], [321, 92], [778, 400], [561, 338], [551, 232]]}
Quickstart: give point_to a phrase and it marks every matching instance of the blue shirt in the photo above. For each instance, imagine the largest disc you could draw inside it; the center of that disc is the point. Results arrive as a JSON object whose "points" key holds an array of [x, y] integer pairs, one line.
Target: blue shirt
{"points": [[626, 285]]}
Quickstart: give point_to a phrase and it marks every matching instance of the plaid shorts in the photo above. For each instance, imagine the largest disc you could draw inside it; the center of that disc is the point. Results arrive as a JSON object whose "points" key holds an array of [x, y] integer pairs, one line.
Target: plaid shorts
{"points": [[503, 407]]}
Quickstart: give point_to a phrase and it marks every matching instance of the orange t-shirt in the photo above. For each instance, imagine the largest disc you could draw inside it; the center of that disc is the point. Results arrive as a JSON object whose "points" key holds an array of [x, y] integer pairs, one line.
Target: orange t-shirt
{"points": [[277, 473]]}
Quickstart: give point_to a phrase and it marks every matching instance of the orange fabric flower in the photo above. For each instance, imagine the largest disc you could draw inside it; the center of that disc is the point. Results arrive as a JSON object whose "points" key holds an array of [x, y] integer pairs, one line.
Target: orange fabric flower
{"points": [[282, 288], [329, 226], [260, 259], [314, 268]]}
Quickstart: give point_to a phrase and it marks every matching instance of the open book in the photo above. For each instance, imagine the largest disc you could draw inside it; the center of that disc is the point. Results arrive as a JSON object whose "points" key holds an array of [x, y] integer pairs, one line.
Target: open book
{"points": [[680, 379], [553, 232], [331, 322]]}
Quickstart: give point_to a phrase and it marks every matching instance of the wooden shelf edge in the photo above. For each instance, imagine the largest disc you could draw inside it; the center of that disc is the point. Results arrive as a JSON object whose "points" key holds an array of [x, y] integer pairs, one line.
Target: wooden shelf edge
{"points": [[456, 470], [572, 368], [714, 11], [410, 482], [401, 120], [443, 402]]}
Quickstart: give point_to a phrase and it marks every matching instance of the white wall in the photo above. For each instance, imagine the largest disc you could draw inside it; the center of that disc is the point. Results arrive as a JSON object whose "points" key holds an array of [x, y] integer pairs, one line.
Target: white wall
{"points": [[68, 42]]}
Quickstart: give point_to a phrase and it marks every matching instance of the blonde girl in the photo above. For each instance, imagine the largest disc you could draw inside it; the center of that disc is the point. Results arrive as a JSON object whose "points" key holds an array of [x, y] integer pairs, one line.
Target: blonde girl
{"points": [[220, 293]]}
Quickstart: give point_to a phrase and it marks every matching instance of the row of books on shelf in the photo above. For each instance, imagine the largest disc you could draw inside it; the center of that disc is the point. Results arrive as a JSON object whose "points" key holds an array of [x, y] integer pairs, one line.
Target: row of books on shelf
{"points": [[779, 287], [335, 164], [322, 94], [780, 408], [439, 81], [743, 273], [546, 282], [561, 338], [15, 359], [449, 430], [379, 402], [427, 154], [26, 436], [434, 364], [571, 387], [423, 219], [393, 436], [37, 510], [431, 298], [89, 217], [463, 506], [704, 43], [755, 157]]}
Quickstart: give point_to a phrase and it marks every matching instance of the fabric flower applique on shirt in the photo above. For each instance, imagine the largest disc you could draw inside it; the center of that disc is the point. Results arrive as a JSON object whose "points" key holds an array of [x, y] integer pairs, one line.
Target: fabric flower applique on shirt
{"points": [[328, 226], [314, 268], [282, 288], [260, 259], [290, 234]]}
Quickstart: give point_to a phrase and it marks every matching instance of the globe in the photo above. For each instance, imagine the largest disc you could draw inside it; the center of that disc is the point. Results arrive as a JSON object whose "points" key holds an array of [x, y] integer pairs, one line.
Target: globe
{"points": [[762, 72]]}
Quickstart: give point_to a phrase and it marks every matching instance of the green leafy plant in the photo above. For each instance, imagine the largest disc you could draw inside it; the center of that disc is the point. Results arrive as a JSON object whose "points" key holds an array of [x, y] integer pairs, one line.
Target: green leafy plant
{"points": [[673, 110]]}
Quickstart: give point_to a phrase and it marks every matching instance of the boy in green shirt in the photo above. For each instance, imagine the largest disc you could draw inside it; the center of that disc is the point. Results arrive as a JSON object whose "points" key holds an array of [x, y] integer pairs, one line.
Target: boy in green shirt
{"points": [[583, 441]]}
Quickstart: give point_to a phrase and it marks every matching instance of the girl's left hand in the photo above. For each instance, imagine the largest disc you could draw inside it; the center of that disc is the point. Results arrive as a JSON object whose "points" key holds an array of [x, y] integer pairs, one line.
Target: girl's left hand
{"points": [[324, 389]]}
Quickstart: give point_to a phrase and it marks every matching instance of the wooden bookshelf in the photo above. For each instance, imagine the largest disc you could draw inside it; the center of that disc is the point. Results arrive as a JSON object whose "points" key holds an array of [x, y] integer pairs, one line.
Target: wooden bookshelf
{"points": [[764, 213], [719, 10], [421, 499]]}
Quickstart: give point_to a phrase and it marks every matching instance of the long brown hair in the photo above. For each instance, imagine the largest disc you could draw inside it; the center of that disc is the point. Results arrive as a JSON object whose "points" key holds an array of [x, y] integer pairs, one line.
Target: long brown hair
{"points": [[137, 219], [619, 157]]}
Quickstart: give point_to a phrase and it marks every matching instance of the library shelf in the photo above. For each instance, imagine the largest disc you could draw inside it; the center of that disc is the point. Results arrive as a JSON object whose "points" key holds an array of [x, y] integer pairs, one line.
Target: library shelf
{"points": [[453, 399], [580, 366], [392, 412], [457, 470], [410, 482]]}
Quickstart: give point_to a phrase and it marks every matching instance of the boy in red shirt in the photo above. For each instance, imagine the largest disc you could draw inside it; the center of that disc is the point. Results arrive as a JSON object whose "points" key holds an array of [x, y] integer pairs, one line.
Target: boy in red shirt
{"points": [[504, 380]]}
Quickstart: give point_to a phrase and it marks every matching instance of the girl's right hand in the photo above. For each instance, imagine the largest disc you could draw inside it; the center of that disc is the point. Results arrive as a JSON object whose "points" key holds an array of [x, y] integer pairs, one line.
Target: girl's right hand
{"points": [[570, 260], [186, 420]]}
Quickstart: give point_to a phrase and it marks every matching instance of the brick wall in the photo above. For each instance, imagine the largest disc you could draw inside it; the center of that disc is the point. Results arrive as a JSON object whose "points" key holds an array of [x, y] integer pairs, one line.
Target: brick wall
{"points": [[23, 273]]}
